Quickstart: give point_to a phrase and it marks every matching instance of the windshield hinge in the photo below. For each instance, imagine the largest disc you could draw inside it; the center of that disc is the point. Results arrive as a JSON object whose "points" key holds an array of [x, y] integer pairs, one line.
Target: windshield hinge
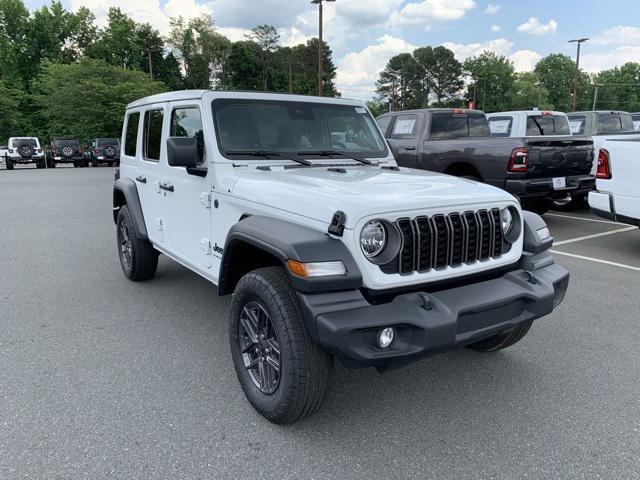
{"points": [[337, 223], [205, 199]]}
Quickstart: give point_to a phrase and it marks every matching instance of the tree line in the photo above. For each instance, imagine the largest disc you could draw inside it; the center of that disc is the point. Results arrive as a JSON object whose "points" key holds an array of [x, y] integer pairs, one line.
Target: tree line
{"points": [[433, 77], [62, 75]]}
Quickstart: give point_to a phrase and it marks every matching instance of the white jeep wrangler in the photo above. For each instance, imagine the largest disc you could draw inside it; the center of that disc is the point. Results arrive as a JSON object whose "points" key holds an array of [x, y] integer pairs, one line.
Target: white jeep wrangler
{"points": [[295, 206], [23, 150]]}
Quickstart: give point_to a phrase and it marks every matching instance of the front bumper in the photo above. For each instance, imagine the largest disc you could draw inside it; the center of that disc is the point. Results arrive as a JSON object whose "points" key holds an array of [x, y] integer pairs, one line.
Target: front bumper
{"points": [[543, 187], [346, 324]]}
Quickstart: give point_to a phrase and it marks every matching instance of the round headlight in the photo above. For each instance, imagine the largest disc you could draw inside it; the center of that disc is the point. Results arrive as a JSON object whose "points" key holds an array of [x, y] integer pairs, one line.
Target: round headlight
{"points": [[373, 238], [506, 219]]}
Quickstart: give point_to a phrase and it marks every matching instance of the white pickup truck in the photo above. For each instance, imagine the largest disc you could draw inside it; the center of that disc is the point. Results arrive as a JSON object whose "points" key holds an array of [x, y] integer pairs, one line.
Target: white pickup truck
{"points": [[617, 196], [528, 123]]}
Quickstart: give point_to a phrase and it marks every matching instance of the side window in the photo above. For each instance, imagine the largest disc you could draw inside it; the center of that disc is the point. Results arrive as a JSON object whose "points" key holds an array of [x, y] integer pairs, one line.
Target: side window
{"points": [[577, 124], [405, 126], [187, 122], [130, 135], [152, 134], [383, 123], [500, 126]]}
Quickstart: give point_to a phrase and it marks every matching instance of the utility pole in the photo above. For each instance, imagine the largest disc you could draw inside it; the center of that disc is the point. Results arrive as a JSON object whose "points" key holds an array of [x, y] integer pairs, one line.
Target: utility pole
{"points": [[575, 78], [595, 96], [320, 44], [150, 63]]}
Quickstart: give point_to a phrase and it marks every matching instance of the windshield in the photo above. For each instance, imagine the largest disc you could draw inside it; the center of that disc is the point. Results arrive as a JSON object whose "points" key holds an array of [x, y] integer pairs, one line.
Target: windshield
{"points": [[295, 127], [615, 123], [547, 125], [459, 125], [105, 142]]}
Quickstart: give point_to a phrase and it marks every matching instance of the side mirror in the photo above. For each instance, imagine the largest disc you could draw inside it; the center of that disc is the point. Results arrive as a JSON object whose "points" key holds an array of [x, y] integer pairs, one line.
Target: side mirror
{"points": [[182, 152]]}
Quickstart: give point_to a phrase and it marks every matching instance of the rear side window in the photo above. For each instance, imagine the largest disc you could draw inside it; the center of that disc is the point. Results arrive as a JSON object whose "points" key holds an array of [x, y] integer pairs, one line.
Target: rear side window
{"points": [[547, 125], [187, 122], [383, 123], [459, 125], [131, 134], [636, 122], [614, 123], [577, 124], [152, 134], [500, 126], [405, 126]]}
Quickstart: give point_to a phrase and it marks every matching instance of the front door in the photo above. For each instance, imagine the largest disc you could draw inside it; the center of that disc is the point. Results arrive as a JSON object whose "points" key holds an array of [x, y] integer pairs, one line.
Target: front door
{"points": [[186, 204], [403, 139]]}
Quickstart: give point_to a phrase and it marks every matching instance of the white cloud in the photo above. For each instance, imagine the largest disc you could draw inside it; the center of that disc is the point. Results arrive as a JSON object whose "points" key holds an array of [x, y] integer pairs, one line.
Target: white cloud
{"points": [[358, 71], [500, 46], [619, 35], [492, 8], [431, 12], [525, 60], [534, 27], [367, 12], [495, 28], [596, 61], [234, 34]]}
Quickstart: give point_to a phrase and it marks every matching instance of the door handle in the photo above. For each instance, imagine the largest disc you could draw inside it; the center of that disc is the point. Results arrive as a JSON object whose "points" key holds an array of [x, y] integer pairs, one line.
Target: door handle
{"points": [[141, 179], [166, 186], [408, 148]]}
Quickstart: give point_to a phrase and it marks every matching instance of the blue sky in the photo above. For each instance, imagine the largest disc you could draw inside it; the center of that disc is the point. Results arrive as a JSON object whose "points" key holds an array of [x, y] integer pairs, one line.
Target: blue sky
{"points": [[365, 33]]}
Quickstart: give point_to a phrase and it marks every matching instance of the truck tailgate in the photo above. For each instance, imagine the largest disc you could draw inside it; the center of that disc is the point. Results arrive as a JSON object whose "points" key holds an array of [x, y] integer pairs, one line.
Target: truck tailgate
{"points": [[559, 156]]}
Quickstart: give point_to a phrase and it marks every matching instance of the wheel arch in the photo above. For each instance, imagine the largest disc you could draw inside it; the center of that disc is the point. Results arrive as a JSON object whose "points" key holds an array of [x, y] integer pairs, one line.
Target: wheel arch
{"points": [[125, 192], [257, 241], [462, 168]]}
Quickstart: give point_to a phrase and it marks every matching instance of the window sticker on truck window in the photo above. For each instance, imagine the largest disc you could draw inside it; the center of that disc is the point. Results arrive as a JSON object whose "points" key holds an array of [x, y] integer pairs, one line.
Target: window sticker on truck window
{"points": [[361, 110], [404, 126], [499, 126], [575, 126], [636, 125]]}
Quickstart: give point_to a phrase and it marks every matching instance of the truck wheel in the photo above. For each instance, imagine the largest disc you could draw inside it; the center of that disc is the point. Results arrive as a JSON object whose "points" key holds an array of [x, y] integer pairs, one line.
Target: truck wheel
{"points": [[284, 374], [110, 164], [138, 258], [539, 206], [504, 340], [9, 164]]}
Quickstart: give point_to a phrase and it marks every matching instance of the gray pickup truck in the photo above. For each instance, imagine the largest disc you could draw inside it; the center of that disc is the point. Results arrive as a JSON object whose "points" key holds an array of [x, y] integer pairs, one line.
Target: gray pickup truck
{"points": [[458, 142]]}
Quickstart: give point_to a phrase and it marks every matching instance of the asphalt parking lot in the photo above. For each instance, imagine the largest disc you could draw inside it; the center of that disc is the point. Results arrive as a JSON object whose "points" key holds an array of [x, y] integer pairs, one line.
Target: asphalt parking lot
{"points": [[101, 377]]}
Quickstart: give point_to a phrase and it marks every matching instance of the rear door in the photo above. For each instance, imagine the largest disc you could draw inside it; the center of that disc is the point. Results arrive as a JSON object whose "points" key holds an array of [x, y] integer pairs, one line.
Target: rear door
{"points": [[186, 196], [403, 135]]}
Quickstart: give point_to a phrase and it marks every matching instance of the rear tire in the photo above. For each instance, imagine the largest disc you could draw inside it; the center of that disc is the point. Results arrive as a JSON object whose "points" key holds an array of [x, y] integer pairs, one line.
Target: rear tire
{"points": [[498, 342], [94, 163], [9, 164], [138, 258], [297, 389]]}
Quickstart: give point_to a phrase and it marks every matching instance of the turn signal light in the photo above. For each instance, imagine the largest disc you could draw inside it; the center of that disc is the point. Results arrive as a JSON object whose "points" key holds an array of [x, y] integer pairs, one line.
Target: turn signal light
{"points": [[604, 166], [316, 269]]}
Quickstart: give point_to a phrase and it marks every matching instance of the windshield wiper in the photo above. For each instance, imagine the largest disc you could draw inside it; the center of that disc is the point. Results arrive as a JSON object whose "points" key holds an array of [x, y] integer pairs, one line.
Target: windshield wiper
{"points": [[325, 153], [270, 153]]}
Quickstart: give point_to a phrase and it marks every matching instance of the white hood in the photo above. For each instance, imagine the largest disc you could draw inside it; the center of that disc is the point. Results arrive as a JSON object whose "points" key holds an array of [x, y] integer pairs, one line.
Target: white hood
{"points": [[317, 193]]}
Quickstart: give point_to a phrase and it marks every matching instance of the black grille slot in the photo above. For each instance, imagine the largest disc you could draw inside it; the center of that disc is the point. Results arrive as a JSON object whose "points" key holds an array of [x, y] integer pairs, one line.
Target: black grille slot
{"points": [[485, 234], [408, 246], [497, 233], [471, 242], [457, 239], [447, 241], [441, 229], [424, 233]]}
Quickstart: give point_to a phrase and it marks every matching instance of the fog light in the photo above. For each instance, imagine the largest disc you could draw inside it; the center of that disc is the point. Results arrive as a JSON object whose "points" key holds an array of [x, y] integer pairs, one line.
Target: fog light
{"points": [[385, 337]]}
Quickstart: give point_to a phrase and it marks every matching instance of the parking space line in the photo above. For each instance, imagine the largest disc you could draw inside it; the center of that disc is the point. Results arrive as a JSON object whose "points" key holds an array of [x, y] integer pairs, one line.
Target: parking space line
{"points": [[573, 217], [591, 259], [595, 235]]}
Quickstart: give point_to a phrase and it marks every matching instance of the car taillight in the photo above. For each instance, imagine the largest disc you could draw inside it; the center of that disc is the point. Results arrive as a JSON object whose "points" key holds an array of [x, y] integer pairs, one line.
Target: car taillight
{"points": [[11, 150], [604, 166], [53, 150], [39, 150], [519, 161]]}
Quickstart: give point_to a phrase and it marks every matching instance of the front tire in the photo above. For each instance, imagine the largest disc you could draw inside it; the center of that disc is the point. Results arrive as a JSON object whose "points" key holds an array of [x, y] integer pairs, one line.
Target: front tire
{"points": [[504, 340], [283, 374], [138, 258]]}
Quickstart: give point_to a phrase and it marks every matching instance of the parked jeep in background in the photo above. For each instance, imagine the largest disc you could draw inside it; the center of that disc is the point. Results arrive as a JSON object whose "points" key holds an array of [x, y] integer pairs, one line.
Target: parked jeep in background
{"points": [[458, 142], [23, 150], [295, 205], [104, 150], [65, 151]]}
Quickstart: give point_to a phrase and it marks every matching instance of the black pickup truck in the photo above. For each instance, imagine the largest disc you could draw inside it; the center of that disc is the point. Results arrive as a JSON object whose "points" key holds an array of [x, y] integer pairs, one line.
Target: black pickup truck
{"points": [[458, 142]]}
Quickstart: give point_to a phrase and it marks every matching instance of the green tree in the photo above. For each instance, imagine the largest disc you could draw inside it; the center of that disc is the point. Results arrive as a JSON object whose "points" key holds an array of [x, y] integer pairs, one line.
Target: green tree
{"points": [[376, 108], [494, 77], [10, 112], [398, 83], [619, 88], [439, 73], [245, 68], [556, 72], [267, 38], [14, 19], [87, 98], [118, 44], [527, 93]]}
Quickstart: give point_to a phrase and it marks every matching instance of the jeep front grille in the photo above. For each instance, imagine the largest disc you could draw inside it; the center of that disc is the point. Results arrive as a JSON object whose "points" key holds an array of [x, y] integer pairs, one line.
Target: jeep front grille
{"points": [[451, 240]]}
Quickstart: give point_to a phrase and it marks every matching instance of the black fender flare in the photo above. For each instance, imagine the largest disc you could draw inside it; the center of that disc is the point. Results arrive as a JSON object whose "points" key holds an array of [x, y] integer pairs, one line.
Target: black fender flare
{"points": [[127, 189], [289, 241]]}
